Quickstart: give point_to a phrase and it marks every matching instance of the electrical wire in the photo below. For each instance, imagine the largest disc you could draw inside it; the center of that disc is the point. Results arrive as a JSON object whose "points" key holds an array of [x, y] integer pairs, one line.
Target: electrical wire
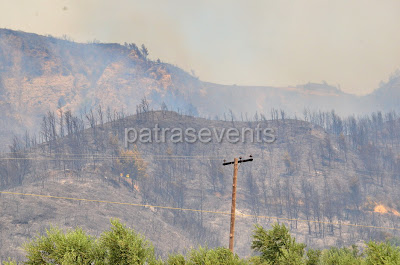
{"points": [[197, 210]]}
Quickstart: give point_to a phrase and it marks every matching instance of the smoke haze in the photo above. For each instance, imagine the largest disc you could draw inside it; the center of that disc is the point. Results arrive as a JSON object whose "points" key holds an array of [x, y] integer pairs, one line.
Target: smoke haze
{"points": [[353, 44]]}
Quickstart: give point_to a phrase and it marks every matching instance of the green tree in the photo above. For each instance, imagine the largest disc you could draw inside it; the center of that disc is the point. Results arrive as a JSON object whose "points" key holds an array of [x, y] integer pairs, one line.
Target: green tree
{"points": [[123, 245], [206, 256], [382, 253], [56, 247], [345, 256], [220, 255], [175, 259], [313, 256], [277, 246]]}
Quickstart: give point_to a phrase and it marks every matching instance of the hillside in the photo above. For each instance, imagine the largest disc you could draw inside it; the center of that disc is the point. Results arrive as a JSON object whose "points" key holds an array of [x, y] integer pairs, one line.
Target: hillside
{"points": [[344, 172], [39, 73]]}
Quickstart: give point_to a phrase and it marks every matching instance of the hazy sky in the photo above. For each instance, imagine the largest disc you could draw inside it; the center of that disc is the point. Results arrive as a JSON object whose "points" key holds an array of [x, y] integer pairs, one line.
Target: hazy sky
{"points": [[352, 43]]}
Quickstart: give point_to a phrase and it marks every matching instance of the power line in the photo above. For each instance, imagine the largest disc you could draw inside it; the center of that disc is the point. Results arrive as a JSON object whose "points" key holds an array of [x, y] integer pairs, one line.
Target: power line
{"points": [[104, 156], [197, 210], [108, 155], [99, 159], [111, 202]]}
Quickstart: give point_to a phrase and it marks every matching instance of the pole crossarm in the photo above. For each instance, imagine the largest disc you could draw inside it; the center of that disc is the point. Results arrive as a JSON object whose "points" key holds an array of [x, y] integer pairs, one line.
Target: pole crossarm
{"points": [[240, 161]]}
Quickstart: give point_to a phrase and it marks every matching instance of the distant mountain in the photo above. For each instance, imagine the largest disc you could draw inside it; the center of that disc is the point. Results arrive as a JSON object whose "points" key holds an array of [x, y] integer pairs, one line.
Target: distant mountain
{"points": [[387, 96], [39, 73]]}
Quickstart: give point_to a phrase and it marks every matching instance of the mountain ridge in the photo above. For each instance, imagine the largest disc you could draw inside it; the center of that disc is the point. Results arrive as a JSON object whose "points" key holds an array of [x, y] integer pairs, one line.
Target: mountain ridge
{"points": [[39, 73]]}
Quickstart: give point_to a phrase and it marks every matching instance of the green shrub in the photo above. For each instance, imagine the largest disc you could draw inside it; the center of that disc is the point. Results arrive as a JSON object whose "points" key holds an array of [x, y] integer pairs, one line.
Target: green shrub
{"points": [[345, 256], [277, 246], [124, 246], [206, 256], [56, 247], [176, 259], [313, 256], [382, 253]]}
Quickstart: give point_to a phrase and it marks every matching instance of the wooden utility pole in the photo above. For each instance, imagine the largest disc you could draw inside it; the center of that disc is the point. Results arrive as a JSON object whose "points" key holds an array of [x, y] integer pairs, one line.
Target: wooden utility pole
{"points": [[235, 163], [233, 208]]}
